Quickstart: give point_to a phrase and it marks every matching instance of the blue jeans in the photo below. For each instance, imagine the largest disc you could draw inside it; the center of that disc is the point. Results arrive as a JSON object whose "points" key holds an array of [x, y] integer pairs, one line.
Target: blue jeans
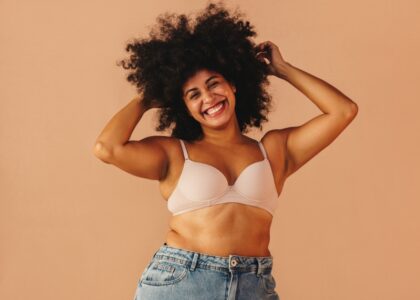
{"points": [[178, 274]]}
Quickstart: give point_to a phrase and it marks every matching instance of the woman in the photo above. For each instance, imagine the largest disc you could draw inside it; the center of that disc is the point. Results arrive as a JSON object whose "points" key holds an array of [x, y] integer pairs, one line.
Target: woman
{"points": [[222, 187]]}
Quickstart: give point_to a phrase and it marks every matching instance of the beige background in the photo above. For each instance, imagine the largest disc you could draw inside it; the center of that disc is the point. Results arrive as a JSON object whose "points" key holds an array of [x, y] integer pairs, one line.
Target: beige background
{"points": [[72, 227]]}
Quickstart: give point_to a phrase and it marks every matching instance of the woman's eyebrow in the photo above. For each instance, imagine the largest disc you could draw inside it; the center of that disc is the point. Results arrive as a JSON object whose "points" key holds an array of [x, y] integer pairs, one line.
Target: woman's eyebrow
{"points": [[208, 79]]}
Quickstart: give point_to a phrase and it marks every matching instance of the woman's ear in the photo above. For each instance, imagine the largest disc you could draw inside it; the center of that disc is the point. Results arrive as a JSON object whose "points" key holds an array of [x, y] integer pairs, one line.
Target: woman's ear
{"points": [[233, 88]]}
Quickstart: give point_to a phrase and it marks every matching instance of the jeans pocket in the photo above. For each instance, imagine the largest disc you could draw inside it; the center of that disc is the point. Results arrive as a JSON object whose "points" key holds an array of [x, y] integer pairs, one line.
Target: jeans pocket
{"points": [[144, 272], [268, 283], [161, 272]]}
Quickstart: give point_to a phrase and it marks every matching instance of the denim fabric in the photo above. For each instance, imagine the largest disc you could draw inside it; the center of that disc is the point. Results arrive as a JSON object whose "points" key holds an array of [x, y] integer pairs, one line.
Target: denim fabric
{"points": [[175, 273]]}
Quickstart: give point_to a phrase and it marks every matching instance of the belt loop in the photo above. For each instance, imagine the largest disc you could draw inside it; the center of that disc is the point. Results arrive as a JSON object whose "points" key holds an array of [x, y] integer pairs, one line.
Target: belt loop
{"points": [[194, 261], [259, 267]]}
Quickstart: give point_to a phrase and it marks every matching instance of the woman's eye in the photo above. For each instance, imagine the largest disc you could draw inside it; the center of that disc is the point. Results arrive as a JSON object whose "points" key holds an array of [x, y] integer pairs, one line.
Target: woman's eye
{"points": [[211, 85]]}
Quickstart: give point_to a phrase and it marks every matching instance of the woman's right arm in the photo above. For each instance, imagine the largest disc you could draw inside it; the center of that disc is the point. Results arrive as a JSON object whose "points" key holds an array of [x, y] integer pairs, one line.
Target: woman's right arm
{"points": [[144, 158]]}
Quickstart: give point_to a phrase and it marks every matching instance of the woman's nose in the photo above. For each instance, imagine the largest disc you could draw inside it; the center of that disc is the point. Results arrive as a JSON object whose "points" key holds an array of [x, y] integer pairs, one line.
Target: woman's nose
{"points": [[208, 97]]}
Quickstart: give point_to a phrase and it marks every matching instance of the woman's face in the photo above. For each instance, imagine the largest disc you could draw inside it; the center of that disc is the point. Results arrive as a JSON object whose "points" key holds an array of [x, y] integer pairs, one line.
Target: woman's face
{"points": [[209, 97]]}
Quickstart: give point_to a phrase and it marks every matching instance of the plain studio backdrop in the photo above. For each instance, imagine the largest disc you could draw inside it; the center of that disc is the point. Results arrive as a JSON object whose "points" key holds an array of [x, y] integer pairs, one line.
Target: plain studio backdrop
{"points": [[73, 227]]}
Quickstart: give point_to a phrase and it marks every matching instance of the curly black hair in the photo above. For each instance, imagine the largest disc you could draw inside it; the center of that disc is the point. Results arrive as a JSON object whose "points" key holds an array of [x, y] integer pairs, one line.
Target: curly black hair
{"points": [[176, 49]]}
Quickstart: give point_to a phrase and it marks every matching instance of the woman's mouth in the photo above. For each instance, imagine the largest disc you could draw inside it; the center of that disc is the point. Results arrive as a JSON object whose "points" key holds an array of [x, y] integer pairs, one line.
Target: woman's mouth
{"points": [[216, 110]]}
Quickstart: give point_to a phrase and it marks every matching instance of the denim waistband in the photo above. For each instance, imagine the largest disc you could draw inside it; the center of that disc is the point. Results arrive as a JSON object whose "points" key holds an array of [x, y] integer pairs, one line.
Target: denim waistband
{"points": [[231, 263]]}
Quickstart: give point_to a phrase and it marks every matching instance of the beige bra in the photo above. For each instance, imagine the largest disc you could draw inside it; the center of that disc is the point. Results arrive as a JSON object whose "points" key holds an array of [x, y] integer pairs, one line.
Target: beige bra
{"points": [[202, 185]]}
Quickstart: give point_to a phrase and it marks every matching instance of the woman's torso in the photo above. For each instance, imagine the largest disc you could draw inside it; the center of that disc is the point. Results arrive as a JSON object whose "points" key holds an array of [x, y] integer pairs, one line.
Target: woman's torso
{"points": [[228, 228]]}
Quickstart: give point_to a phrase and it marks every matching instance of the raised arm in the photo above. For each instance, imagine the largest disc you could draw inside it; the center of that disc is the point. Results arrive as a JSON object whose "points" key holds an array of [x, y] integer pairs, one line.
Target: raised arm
{"points": [[144, 158], [303, 142]]}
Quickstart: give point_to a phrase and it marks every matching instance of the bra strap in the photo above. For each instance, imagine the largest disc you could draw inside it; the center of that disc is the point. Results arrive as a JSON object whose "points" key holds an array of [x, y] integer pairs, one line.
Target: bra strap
{"points": [[184, 149], [262, 149]]}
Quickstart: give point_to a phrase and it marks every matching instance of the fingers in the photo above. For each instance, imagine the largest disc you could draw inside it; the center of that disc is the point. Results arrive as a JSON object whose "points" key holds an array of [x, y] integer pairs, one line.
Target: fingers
{"points": [[261, 46], [263, 58], [266, 46]]}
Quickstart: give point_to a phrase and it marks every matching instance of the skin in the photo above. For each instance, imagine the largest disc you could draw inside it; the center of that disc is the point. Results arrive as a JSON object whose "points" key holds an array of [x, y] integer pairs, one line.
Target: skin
{"points": [[220, 229], [229, 228]]}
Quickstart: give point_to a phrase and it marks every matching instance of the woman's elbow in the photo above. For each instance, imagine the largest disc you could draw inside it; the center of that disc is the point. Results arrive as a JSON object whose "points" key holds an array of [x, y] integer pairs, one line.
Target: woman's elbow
{"points": [[352, 111], [102, 152]]}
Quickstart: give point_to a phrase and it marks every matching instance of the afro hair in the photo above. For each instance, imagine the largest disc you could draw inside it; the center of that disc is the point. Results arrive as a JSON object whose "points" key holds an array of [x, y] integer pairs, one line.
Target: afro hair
{"points": [[177, 48]]}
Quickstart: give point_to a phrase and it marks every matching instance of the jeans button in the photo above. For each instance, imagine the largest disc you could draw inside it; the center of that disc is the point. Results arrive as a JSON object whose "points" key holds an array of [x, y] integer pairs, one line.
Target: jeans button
{"points": [[233, 262]]}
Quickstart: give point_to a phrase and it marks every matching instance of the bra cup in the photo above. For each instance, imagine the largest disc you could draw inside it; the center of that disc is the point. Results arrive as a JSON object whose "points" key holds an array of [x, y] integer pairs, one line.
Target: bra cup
{"points": [[201, 183], [255, 182]]}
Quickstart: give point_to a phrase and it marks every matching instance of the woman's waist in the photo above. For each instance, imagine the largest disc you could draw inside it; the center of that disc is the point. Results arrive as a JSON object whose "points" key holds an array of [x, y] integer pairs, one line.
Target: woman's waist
{"points": [[221, 243]]}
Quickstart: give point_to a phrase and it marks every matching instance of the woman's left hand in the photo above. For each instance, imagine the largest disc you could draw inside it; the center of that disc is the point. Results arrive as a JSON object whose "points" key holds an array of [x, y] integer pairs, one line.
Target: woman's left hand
{"points": [[277, 65]]}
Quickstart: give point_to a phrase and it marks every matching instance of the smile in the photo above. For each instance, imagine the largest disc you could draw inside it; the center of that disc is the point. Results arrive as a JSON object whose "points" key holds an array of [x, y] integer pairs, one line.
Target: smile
{"points": [[216, 110]]}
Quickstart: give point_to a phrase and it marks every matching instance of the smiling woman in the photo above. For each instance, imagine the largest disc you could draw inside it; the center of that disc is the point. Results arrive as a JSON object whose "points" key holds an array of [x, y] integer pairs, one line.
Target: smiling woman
{"points": [[221, 186], [211, 96], [166, 67]]}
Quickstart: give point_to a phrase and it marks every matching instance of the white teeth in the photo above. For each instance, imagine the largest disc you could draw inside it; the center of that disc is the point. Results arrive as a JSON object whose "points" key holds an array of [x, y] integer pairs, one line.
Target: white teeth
{"points": [[213, 110]]}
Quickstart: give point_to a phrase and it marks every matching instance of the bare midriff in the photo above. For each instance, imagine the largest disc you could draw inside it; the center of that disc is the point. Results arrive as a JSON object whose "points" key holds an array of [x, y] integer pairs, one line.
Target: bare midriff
{"points": [[221, 230]]}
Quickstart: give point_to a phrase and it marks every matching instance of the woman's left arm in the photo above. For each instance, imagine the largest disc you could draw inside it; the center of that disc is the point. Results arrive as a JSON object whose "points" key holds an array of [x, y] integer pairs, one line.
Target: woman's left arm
{"points": [[303, 142]]}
